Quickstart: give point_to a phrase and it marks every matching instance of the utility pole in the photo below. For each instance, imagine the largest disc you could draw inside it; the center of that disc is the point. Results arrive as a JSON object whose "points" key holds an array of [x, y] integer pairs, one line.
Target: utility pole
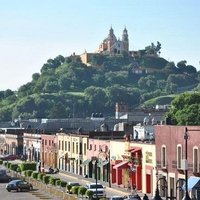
{"points": [[186, 197]]}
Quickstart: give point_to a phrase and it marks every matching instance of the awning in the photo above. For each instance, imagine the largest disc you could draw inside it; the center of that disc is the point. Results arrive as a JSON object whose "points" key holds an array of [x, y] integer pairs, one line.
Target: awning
{"points": [[193, 182], [85, 162], [135, 149], [121, 165]]}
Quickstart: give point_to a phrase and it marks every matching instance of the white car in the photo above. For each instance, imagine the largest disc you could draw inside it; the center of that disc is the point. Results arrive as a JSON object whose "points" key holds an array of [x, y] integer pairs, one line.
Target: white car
{"points": [[98, 189], [117, 198]]}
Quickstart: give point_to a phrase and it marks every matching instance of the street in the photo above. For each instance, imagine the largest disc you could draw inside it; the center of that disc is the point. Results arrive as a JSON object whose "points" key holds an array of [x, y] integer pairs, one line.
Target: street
{"points": [[5, 195], [35, 194], [109, 191]]}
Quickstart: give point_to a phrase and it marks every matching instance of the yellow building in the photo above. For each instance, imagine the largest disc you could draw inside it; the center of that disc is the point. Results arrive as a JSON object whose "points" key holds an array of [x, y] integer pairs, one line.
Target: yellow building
{"points": [[72, 149]]}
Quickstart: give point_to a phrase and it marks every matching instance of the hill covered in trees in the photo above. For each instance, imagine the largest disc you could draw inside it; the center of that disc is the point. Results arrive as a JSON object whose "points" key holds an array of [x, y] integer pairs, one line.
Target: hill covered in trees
{"points": [[66, 87]]}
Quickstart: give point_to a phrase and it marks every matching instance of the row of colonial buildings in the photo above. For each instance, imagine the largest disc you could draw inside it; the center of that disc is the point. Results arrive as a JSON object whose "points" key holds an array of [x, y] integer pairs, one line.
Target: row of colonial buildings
{"points": [[121, 157]]}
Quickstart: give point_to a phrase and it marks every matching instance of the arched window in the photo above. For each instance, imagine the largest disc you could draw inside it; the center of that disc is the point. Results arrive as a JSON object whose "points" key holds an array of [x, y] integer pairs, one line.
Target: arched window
{"points": [[163, 156], [179, 156], [195, 160]]}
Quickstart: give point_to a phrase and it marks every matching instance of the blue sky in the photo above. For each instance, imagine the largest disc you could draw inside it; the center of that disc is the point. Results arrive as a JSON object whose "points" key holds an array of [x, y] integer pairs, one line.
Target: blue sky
{"points": [[32, 31]]}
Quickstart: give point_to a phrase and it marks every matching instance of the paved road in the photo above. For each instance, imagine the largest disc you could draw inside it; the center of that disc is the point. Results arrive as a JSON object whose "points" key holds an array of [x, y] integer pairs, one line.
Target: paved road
{"points": [[35, 194], [5, 195], [109, 191]]}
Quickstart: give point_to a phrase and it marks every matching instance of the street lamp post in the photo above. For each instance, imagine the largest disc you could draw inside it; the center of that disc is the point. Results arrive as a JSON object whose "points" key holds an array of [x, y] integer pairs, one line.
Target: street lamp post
{"points": [[96, 176], [95, 162], [179, 187], [186, 197], [157, 195]]}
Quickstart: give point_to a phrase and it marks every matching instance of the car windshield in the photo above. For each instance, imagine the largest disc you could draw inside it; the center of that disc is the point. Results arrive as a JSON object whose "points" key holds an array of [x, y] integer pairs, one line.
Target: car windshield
{"points": [[14, 181], [96, 186], [2, 172]]}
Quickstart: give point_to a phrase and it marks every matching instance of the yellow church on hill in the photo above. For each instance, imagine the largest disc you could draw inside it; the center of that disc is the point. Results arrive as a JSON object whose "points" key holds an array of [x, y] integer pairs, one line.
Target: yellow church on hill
{"points": [[110, 45]]}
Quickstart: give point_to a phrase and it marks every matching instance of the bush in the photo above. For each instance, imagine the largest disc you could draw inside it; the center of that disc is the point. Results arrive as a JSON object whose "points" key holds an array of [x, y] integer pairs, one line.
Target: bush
{"points": [[58, 182], [1, 162], [8, 165], [82, 190], [63, 183], [28, 166], [46, 179], [69, 187], [19, 170], [89, 194], [53, 180], [75, 190], [35, 175], [5, 163], [40, 176], [28, 173], [14, 167]]}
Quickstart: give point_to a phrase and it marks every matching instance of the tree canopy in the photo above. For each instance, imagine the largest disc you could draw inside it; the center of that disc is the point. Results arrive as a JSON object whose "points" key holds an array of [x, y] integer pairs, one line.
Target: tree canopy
{"points": [[185, 109], [66, 87]]}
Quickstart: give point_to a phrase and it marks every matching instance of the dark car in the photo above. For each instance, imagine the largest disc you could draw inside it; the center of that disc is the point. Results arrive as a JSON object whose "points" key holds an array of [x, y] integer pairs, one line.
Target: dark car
{"points": [[9, 157], [19, 185], [134, 197], [4, 177]]}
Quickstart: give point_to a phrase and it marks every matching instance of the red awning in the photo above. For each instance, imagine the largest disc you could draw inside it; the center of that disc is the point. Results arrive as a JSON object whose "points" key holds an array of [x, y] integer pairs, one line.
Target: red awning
{"points": [[135, 149], [121, 165]]}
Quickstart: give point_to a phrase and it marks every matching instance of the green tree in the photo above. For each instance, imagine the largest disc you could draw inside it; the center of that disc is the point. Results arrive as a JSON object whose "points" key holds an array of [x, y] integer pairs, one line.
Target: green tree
{"points": [[82, 190], [185, 109], [96, 98]]}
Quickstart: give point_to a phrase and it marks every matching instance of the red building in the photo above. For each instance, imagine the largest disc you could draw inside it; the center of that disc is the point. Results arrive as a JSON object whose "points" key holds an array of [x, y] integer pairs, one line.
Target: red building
{"points": [[171, 159], [49, 150]]}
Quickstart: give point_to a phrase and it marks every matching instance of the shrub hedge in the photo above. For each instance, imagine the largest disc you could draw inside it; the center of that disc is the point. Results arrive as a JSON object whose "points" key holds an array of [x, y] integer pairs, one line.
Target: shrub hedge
{"points": [[46, 179]]}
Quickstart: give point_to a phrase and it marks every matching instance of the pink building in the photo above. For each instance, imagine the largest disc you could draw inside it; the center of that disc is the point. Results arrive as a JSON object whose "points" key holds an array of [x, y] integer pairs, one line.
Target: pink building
{"points": [[49, 150], [171, 159], [99, 150]]}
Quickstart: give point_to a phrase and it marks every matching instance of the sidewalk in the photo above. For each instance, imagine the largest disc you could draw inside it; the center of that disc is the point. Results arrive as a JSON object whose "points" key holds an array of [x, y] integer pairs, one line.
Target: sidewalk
{"points": [[113, 187]]}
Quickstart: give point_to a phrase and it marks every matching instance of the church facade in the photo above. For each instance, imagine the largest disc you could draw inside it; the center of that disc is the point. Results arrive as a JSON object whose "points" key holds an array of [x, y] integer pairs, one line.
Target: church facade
{"points": [[112, 45]]}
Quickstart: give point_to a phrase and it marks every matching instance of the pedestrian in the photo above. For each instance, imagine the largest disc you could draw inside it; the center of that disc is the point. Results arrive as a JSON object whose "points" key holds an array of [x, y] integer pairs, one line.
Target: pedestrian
{"points": [[138, 197], [128, 186], [145, 197]]}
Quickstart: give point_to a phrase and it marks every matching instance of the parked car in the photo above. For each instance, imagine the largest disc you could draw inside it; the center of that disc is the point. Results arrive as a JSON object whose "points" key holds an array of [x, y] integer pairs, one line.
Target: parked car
{"points": [[133, 197], [19, 185], [98, 189], [117, 198], [73, 184], [4, 177], [9, 157]]}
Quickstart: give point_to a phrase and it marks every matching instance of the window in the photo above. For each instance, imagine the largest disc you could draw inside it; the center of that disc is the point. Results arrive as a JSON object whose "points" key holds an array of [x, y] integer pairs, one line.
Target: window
{"points": [[163, 157], [62, 145], [95, 147], [76, 147], [69, 146], [80, 148], [65, 145], [85, 147], [59, 144], [49, 142], [73, 147], [179, 156], [195, 160], [90, 147]]}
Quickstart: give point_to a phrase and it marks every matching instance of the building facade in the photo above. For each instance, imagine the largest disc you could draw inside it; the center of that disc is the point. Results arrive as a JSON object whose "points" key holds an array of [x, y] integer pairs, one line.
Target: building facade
{"points": [[172, 145], [111, 45], [49, 150]]}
